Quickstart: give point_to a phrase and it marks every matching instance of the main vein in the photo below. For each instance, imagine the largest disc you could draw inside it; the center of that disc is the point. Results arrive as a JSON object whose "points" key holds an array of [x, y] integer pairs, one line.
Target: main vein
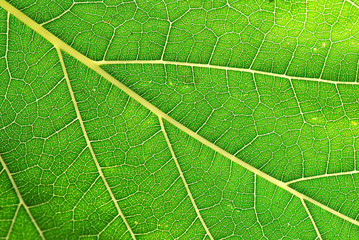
{"points": [[21, 200], [89, 143], [184, 179], [95, 66]]}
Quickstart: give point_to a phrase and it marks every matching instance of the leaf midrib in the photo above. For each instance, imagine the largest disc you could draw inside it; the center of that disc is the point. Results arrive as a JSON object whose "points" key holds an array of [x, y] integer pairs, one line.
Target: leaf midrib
{"points": [[95, 66]]}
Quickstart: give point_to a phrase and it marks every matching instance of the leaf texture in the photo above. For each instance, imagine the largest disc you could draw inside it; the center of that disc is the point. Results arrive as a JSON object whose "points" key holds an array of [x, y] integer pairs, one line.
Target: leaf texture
{"points": [[179, 119]]}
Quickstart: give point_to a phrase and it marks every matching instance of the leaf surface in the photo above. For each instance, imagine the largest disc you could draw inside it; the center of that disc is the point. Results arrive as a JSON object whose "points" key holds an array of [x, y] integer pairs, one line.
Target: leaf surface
{"points": [[179, 119]]}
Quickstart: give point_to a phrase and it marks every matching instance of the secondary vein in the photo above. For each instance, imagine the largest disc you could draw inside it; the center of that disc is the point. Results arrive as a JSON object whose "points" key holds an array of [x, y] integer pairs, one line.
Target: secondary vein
{"points": [[99, 169], [183, 178], [22, 202], [223, 68], [13, 222], [323, 176], [311, 219]]}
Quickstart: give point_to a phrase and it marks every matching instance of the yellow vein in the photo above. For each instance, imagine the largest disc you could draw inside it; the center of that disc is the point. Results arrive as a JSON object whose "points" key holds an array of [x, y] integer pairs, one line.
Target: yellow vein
{"points": [[311, 219], [352, 3], [168, 34], [322, 176], [223, 68], [96, 67], [13, 222], [255, 204], [60, 15], [89, 143], [22, 202], [107, 225], [183, 178], [250, 167], [7, 51], [301, 113]]}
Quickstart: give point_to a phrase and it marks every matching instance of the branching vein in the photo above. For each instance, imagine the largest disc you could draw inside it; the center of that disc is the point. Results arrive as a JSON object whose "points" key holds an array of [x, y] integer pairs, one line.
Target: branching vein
{"points": [[22, 202], [184, 179], [311, 219], [13, 222], [89, 144], [223, 68], [323, 176], [352, 3]]}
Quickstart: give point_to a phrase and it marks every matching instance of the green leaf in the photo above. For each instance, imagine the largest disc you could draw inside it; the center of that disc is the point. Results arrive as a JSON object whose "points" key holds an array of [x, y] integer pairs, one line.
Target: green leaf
{"points": [[179, 119]]}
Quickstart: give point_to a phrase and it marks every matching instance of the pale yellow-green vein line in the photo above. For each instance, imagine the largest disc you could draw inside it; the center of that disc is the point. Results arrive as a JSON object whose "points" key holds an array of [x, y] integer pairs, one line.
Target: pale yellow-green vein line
{"points": [[96, 67], [323, 176], [311, 219], [183, 178], [2, 160], [13, 222], [22, 202], [89, 144], [352, 3], [255, 205], [200, 65]]}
